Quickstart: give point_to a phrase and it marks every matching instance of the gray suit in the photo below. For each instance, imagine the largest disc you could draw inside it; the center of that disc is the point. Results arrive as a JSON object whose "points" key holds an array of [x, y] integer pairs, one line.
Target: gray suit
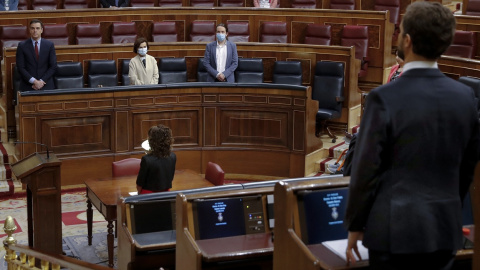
{"points": [[413, 164], [210, 63]]}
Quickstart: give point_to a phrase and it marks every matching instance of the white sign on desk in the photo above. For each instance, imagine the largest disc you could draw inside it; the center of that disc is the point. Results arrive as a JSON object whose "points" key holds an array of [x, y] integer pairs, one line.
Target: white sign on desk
{"points": [[340, 246]]}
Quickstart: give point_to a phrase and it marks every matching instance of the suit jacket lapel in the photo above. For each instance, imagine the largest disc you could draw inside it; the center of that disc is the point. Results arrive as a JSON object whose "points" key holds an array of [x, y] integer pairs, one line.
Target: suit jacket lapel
{"points": [[229, 55], [213, 55]]}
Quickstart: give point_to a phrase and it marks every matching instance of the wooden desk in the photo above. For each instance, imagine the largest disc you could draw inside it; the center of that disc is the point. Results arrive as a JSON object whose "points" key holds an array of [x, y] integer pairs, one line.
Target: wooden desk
{"points": [[104, 194], [264, 129], [328, 257], [236, 247]]}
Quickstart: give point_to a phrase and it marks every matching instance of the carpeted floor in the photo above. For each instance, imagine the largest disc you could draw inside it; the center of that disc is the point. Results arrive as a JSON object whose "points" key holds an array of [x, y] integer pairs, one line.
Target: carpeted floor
{"points": [[74, 227], [77, 247]]}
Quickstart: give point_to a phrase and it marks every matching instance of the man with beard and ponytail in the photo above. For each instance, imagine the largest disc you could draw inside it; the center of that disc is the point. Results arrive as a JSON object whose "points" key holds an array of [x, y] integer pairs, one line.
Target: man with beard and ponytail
{"points": [[221, 58], [415, 155], [143, 68]]}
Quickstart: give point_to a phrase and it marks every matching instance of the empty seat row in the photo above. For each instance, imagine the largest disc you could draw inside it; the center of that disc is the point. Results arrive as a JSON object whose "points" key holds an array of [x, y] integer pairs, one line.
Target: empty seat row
{"points": [[52, 4], [310, 4], [80, 4]]}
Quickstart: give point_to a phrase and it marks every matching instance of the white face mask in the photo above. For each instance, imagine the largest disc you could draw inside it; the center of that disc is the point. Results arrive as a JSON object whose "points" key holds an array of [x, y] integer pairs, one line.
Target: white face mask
{"points": [[142, 51], [221, 37]]}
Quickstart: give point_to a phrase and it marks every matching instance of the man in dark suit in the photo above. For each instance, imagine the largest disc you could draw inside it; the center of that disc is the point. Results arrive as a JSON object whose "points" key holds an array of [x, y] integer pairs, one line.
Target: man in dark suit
{"points": [[36, 60], [221, 58], [114, 3], [415, 155]]}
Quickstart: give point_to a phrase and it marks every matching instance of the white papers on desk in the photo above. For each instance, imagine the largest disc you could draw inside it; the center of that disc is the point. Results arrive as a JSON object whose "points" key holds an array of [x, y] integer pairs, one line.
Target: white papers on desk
{"points": [[133, 193], [340, 246]]}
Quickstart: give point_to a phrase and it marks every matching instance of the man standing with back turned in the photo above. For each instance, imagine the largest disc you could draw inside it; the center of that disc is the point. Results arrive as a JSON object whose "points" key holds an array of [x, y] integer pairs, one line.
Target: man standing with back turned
{"points": [[415, 155], [36, 60]]}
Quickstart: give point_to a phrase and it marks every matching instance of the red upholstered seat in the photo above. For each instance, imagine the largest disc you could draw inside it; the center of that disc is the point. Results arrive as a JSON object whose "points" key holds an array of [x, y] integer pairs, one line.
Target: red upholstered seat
{"points": [[238, 31], [318, 34], [11, 35], [75, 4], [357, 36], [203, 31], [215, 174], [304, 4], [342, 4], [56, 33], [126, 167], [231, 3], [202, 3], [164, 32], [88, 34], [22, 5], [463, 45], [473, 8], [124, 32], [170, 3], [44, 4], [391, 5], [142, 3], [273, 32]]}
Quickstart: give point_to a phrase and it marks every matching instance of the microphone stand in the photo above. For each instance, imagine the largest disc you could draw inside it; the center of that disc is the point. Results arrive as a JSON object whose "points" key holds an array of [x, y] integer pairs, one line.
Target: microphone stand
{"points": [[41, 144]]}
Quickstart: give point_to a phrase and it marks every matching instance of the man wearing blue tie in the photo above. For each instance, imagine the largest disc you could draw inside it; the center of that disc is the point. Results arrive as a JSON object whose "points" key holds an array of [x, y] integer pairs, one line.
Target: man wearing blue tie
{"points": [[36, 60], [114, 3]]}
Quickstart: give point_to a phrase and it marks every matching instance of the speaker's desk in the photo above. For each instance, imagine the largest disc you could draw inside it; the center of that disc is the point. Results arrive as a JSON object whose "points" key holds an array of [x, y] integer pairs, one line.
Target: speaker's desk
{"points": [[104, 194]]}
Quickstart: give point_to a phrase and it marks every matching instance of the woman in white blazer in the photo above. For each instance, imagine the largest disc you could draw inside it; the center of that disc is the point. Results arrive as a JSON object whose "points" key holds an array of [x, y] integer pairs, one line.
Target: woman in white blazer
{"points": [[143, 68]]}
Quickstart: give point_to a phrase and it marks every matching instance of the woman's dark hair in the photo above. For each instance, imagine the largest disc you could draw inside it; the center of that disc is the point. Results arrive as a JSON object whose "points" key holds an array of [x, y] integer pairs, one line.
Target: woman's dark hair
{"points": [[137, 43], [160, 140]]}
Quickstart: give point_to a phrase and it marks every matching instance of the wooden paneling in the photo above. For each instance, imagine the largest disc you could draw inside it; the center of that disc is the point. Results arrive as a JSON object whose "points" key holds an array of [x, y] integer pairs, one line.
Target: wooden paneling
{"points": [[307, 54], [255, 128], [232, 128]]}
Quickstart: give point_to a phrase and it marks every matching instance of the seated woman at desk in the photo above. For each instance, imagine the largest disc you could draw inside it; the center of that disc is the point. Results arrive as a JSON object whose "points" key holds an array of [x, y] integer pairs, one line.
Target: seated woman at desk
{"points": [[158, 166], [143, 68]]}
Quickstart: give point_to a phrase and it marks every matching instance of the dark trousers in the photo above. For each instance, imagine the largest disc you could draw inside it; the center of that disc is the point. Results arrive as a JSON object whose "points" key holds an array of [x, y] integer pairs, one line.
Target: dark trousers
{"points": [[439, 260]]}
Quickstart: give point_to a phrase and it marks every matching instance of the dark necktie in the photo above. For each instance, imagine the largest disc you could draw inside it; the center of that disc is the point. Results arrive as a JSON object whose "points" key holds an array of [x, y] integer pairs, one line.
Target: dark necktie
{"points": [[144, 63], [36, 49]]}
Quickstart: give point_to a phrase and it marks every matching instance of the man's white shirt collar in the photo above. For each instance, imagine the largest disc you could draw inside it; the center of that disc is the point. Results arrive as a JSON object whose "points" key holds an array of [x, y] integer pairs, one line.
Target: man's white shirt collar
{"points": [[420, 64]]}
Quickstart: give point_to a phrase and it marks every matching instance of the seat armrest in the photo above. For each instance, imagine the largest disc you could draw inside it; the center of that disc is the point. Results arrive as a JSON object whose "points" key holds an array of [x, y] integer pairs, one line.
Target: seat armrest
{"points": [[339, 99]]}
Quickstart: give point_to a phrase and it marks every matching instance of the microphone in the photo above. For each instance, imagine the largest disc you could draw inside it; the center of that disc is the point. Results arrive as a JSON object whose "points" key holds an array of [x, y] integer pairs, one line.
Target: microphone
{"points": [[41, 144]]}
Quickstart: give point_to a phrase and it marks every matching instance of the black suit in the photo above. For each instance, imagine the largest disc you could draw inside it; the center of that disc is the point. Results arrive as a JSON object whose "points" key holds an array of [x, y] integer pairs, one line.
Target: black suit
{"points": [[42, 68], [109, 3], [413, 163], [156, 174]]}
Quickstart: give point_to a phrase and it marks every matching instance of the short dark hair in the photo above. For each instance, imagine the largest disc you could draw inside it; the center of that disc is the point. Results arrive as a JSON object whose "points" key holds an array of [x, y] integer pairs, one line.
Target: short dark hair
{"points": [[160, 140], [137, 43], [35, 21], [431, 27], [222, 25]]}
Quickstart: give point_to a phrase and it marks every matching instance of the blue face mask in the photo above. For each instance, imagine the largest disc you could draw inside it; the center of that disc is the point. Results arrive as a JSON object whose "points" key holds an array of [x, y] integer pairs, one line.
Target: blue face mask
{"points": [[142, 51], [221, 37]]}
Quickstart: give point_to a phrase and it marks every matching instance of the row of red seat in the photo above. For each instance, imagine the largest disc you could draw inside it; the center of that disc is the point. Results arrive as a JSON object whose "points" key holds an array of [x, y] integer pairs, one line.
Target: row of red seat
{"points": [[392, 5], [201, 31]]}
